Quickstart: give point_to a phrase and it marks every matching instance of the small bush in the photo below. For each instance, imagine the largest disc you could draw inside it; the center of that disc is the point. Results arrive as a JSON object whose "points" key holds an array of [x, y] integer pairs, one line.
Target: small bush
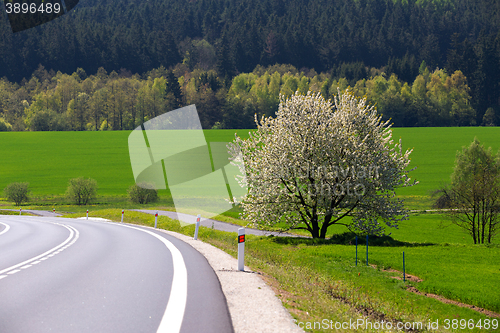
{"points": [[142, 193], [81, 190], [17, 192]]}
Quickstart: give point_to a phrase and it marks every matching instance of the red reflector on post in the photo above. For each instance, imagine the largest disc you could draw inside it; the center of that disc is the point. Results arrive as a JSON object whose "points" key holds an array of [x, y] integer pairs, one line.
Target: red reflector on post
{"points": [[241, 238]]}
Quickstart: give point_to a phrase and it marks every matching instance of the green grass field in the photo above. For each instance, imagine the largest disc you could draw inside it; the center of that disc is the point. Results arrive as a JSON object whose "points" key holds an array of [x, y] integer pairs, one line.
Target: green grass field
{"points": [[47, 160], [434, 152]]}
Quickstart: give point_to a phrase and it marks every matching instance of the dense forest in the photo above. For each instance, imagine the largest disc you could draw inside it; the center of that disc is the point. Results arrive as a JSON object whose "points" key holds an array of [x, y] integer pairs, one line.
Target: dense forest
{"points": [[423, 63]]}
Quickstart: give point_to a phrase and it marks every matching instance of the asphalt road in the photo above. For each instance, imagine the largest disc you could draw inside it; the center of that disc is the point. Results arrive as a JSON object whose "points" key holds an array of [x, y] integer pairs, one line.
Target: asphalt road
{"points": [[67, 275], [209, 223]]}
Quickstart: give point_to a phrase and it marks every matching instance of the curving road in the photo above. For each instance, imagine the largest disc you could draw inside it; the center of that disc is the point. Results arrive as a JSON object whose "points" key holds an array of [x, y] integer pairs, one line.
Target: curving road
{"points": [[66, 275]]}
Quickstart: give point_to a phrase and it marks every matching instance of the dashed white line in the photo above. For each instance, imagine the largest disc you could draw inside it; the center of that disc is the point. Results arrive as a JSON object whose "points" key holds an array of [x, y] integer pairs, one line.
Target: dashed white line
{"points": [[73, 236]]}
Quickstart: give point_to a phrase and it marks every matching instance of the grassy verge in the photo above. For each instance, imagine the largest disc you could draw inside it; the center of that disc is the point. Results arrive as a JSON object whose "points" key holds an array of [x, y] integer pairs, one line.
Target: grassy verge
{"points": [[318, 280], [10, 212]]}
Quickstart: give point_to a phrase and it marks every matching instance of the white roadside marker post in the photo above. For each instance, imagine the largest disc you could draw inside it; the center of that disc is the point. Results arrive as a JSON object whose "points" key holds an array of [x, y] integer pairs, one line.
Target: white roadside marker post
{"points": [[87, 214], [156, 219], [123, 211], [197, 227], [241, 249]]}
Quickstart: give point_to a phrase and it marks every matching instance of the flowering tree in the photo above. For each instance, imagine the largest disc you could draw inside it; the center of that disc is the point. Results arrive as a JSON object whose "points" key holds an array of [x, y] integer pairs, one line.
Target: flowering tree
{"points": [[318, 162]]}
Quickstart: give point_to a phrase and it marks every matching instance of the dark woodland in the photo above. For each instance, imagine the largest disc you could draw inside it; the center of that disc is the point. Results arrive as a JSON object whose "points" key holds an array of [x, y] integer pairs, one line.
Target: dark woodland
{"points": [[423, 63]]}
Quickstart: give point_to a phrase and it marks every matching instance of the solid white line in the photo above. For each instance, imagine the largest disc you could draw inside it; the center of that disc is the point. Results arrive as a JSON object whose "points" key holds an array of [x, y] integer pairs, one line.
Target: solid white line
{"points": [[176, 306], [71, 234], [7, 227]]}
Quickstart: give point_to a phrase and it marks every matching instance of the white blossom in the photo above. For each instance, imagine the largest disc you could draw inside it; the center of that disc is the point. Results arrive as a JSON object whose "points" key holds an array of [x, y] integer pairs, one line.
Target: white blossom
{"points": [[317, 162]]}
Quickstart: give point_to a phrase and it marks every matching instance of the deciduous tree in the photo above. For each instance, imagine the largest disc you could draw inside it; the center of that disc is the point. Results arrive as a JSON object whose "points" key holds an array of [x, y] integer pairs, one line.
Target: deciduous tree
{"points": [[473, 198], [318, 162]]}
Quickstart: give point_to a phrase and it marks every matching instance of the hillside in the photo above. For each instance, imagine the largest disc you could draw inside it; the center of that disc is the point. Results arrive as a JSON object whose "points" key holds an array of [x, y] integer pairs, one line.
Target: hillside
{"points": [[344, 38]]}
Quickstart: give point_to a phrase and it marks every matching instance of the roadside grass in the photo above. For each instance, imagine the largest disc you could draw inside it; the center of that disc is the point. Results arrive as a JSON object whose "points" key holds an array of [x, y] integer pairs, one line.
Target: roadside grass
{"points": [[318, 279], [10, 212]]}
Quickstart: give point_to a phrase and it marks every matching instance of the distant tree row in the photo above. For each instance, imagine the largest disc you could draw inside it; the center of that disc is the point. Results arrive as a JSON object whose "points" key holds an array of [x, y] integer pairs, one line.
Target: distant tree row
{"points": [[121, 101]]}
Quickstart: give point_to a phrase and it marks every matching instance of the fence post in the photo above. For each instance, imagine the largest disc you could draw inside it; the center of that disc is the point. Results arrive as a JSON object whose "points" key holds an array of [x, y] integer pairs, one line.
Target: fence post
{"points": [[366, 250], [356, 250], [404, 273]]}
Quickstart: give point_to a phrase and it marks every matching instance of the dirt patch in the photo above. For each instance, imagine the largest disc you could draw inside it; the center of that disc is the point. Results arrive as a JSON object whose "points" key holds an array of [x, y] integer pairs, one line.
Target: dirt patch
{"points": [[412, 289], [408, 277], [449, 301]]}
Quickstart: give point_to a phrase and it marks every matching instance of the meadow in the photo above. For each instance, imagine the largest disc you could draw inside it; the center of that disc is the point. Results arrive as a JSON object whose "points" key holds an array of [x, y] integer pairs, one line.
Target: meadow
{"points": [[47, 160]]}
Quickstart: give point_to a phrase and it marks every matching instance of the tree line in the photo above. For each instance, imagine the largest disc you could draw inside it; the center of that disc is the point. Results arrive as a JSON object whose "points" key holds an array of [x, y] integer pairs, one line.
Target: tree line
{"points": [[52, 101], [341, 37]]}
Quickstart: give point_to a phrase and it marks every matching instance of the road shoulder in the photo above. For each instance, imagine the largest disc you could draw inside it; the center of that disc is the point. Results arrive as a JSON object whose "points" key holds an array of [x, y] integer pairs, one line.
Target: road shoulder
{"points": [[252, 303]]}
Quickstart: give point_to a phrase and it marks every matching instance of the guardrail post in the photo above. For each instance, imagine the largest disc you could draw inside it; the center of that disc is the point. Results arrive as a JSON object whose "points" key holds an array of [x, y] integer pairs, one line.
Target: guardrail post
{"points": [[156, 219], [197, 226], [241, 249]]}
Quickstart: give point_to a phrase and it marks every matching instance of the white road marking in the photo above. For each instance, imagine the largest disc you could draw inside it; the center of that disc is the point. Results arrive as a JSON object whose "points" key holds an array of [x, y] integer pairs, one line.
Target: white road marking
{"points": [[176, 306], [7, 227], [73, 233]]}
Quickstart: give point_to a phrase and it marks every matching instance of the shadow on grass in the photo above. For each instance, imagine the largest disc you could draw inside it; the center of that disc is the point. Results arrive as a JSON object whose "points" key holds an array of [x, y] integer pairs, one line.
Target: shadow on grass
{"points": [[347, 238]]}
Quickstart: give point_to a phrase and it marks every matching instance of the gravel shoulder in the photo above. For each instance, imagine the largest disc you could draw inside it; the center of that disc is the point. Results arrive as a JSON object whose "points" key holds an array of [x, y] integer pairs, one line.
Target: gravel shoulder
{"points": [[252, 303]]}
